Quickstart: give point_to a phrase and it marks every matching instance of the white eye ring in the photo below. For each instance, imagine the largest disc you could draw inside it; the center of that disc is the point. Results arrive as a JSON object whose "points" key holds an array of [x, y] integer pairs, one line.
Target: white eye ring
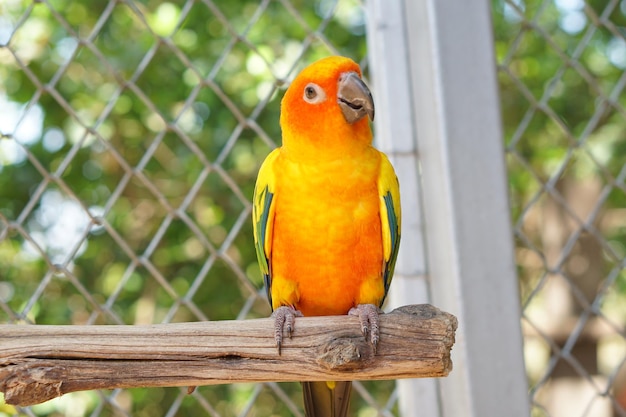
{"points": [[313, 94]]}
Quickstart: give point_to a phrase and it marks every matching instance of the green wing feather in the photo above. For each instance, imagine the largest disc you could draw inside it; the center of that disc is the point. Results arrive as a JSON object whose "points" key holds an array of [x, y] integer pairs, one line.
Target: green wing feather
{"points": [[390, 217], [263, 219]]}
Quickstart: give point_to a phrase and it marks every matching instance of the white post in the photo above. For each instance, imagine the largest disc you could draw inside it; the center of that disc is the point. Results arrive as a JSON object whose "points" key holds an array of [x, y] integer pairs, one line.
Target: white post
{"points": [[396, 136], [451, 86], [468, 229]]}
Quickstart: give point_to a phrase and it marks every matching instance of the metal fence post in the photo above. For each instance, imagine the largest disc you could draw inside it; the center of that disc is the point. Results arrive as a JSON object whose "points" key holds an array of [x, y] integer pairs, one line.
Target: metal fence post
{"points": [[468, 235], [396, 136]]}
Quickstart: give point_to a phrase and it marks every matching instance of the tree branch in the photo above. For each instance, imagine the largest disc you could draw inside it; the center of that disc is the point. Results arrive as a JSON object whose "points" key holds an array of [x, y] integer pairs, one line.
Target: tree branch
{"points": [[38, 363]]}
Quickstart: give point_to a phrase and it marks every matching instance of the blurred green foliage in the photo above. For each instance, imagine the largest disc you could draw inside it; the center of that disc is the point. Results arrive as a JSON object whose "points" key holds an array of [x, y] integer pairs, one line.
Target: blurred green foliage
{"points": [[563, 104], [146, 114], [562, 76], [155, 116]]}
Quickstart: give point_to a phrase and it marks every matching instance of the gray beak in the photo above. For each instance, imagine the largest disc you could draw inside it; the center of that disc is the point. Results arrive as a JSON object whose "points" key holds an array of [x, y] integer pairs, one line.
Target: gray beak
{"points": [[354, 98]]}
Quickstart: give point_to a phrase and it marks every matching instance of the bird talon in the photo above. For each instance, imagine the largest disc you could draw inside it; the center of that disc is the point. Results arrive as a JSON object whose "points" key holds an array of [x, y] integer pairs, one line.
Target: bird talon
{"points": [[368, 317], [284, 318]]}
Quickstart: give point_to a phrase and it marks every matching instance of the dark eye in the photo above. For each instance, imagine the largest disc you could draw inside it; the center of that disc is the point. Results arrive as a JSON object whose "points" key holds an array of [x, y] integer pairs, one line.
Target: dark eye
{"points": [[310, 92], [313, 94]]}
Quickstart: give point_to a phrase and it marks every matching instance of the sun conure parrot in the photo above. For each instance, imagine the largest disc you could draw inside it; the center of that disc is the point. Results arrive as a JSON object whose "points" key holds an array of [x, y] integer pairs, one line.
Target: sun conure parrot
{"points": [[326, 213]]}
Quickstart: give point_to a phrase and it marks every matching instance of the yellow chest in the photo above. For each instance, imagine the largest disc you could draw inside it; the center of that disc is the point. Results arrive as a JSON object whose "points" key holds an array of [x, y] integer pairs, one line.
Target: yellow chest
{"points": [[327, 240]]}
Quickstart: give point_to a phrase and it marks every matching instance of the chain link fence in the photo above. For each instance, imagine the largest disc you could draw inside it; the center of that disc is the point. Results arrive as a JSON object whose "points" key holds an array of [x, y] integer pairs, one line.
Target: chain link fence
{"points": [[562, 75], [132, 131]]}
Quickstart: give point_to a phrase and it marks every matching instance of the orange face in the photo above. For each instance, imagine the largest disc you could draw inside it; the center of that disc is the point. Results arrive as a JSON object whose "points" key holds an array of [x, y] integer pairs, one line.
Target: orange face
{"points": [[325, 106]]}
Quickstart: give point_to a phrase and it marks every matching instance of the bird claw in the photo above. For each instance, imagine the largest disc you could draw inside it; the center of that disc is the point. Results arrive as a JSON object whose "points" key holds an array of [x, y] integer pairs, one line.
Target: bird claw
{"points": [[284, 319], [368, 317]]}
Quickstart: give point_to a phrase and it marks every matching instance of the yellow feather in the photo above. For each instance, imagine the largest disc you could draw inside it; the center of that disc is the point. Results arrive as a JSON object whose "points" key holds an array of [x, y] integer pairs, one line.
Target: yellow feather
{"points": [[265, 184], [388, 183]]}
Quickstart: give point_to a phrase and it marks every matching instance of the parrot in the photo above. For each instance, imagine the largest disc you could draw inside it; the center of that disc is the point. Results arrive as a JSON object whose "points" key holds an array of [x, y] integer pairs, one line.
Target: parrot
{"points": [[326, 214]]}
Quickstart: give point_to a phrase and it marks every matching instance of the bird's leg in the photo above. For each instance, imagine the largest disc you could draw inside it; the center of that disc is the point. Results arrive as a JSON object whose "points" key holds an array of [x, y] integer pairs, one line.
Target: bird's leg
{"points": [[284, 318], [368, 316]]}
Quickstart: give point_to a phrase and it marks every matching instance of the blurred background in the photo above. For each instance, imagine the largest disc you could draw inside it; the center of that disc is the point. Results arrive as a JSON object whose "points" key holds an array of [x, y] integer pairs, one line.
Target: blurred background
{"points": [[131, 133]]}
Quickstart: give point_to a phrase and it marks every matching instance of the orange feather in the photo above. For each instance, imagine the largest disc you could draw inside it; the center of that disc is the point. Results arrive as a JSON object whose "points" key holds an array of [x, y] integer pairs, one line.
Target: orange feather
{"points": [[327, 250]]}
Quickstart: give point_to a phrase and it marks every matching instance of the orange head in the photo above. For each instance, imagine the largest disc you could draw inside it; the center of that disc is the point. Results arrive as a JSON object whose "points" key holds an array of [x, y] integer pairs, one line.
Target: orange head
{"points": [[323, 112]]}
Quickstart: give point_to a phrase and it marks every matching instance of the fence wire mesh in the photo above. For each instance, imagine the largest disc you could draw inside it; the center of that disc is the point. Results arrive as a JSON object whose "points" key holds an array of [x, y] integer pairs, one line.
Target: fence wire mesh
{"points": [[131, 133], [131, 137], [561, 67]]}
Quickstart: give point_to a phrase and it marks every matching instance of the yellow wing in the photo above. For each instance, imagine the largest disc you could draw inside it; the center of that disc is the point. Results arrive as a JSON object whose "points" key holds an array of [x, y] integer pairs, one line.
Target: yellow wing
{"points": [[263, 218], [390, 217]]}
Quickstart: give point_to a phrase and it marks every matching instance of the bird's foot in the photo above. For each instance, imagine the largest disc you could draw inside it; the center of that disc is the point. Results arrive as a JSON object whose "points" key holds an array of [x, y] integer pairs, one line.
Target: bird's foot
{"points": [[284, 318], [368, 316]]}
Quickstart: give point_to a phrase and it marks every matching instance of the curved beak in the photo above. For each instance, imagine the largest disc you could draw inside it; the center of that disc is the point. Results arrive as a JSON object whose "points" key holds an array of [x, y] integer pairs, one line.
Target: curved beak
{"points": [[354, 98]]}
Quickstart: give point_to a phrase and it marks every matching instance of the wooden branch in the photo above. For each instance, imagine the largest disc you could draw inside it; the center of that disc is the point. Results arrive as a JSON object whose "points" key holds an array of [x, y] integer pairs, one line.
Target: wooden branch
{"points": [[38, 363]]}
